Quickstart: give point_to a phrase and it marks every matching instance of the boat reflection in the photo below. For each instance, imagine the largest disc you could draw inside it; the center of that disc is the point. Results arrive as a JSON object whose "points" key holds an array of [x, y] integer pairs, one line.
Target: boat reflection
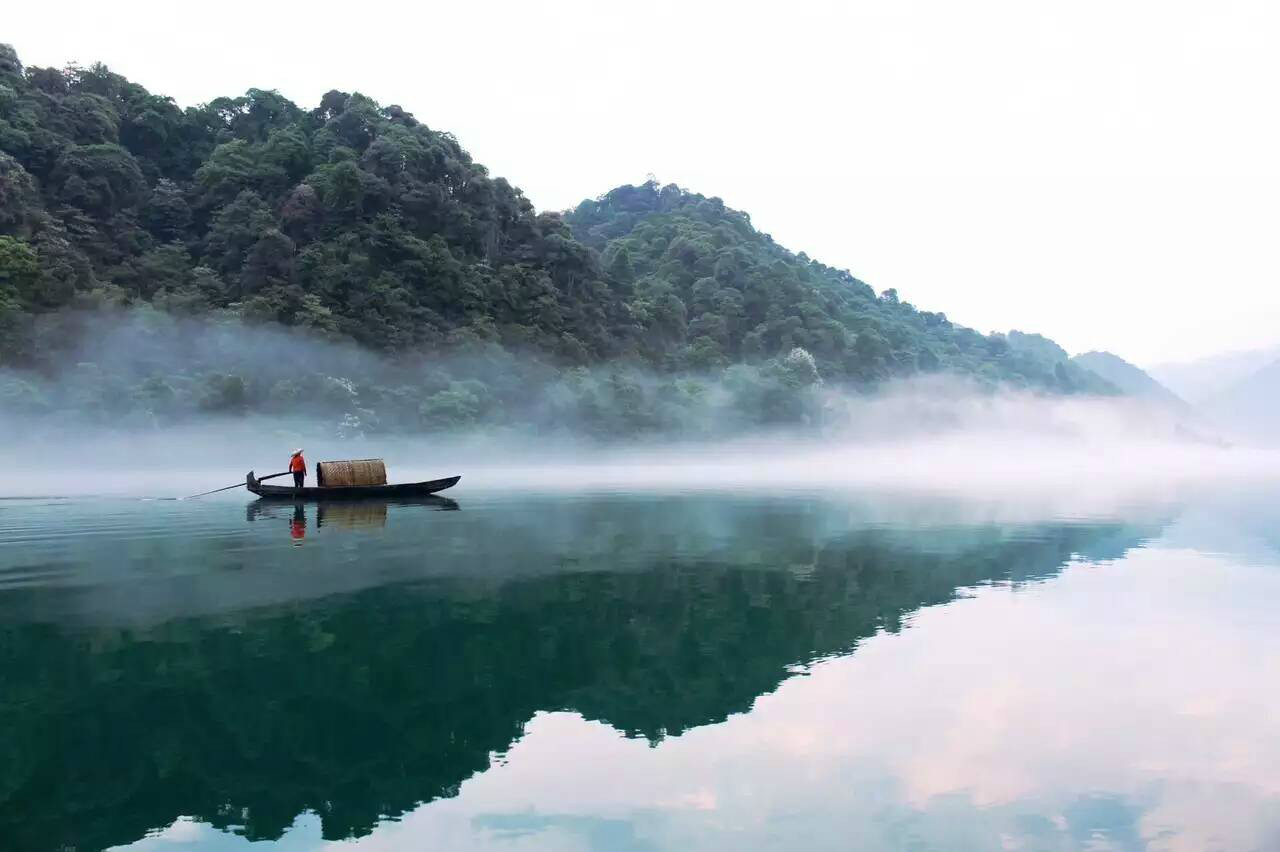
{"points": [[340, 514]]}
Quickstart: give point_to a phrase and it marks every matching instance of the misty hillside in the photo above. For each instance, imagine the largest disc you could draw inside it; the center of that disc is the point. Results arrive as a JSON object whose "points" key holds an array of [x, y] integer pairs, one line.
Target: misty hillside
{"points": [[355, 222], [1129, 379]]}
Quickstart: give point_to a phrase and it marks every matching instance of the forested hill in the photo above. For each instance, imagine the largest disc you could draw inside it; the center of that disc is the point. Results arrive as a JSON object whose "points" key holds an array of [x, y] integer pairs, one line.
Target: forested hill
{"points": [[1129, 379], [358, 222], [708, 289], [350, 218]]}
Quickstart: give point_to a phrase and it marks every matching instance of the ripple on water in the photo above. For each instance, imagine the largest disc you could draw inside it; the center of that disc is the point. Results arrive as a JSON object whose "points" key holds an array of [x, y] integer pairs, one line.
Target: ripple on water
{"points": [[56, 541]]}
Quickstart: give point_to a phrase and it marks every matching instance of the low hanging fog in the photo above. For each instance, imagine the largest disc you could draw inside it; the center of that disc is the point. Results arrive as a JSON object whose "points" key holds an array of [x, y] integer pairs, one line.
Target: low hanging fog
{"points": [[146, 404]]}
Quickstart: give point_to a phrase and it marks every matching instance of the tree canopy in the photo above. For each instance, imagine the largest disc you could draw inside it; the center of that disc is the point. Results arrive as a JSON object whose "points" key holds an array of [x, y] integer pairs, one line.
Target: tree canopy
{"points": [[707, 289], [356, 222]]}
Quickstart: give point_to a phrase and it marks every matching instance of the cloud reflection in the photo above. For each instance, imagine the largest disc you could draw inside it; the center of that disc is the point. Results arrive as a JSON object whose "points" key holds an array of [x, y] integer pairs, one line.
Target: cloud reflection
{"points": [[1129, 706]]}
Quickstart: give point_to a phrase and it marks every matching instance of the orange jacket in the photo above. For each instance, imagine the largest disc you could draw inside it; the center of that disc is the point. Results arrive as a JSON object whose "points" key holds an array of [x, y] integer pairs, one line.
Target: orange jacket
{"points": [[297, 464]]}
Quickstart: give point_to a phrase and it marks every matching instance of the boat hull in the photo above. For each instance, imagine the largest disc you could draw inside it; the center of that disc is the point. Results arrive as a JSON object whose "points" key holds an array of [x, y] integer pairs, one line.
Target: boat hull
{"points": [[350, 492]]}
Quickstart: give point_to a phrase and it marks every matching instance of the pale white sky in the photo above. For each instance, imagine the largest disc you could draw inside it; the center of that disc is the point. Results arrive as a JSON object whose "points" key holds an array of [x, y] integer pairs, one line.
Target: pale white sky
{"points": [[1103, 172]]}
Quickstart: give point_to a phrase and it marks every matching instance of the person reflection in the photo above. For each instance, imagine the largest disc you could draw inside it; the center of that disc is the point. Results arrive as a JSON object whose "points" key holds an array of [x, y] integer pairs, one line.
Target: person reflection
{"points": [[298, 525]]}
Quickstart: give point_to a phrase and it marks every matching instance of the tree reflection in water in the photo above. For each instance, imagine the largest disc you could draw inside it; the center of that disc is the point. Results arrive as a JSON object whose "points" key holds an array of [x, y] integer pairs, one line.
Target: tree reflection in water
{"points": [[361, 704]]}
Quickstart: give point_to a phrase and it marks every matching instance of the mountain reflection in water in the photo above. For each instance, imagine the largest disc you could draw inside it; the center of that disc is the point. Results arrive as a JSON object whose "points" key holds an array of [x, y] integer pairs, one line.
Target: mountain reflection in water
{"points": [[223, 675]]}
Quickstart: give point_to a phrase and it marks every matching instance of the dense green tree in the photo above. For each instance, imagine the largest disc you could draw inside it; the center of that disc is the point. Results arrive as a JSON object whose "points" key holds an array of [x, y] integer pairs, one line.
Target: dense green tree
{"points": [[167, 214], [19, 270], [102, 179], [10, 67], [20, 204]]}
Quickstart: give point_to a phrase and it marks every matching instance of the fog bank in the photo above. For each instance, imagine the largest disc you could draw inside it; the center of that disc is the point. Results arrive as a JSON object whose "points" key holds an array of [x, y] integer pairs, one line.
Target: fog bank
{"points": [[926, 435], [145, 403]]}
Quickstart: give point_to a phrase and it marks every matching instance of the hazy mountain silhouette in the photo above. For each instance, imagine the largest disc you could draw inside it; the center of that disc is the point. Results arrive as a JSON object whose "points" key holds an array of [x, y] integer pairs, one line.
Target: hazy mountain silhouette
{"points": [[1129, 379]]}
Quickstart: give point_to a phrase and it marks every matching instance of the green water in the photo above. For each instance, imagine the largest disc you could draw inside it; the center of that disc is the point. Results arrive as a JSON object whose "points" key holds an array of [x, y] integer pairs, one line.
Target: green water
{"points": [[640, 672]]}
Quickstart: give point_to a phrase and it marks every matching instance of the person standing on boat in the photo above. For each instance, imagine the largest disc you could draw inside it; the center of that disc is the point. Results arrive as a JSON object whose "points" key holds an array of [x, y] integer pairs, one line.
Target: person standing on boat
{"points": [[298, 467]]}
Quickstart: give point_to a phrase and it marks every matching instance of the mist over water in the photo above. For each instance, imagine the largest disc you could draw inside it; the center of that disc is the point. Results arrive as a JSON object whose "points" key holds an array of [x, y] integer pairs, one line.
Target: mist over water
{"points": [[928, 436], [149, 404], [1036, 454]]}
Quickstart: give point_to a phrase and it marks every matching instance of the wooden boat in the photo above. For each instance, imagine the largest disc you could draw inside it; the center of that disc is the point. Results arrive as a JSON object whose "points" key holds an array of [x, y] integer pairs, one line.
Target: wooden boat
{"points": [[349, 492]]}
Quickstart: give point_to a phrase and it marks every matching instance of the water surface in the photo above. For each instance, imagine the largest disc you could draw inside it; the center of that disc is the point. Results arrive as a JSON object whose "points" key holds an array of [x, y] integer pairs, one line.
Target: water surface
{"points": [[640, 671]]}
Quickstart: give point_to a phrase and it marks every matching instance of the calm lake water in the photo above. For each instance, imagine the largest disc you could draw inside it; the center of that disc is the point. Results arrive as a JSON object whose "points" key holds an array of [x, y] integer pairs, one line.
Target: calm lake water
{"points": [[640, 672]]}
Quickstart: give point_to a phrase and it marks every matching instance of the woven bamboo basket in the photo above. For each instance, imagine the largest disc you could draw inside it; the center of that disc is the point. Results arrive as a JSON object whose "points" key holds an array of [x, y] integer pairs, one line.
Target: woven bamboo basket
{"points": [[338, 474]]}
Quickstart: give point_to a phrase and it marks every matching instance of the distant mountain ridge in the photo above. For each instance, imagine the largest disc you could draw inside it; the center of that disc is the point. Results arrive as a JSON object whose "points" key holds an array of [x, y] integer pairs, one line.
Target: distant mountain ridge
{"points": [[1252, 404], [1205, 378], [1129, 378]]}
